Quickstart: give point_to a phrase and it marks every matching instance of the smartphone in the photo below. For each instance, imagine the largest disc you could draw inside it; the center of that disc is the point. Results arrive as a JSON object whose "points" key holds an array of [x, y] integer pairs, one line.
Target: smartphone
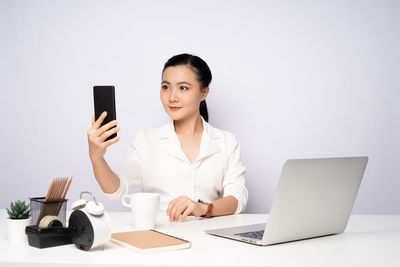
{"points": [[104, 100]]}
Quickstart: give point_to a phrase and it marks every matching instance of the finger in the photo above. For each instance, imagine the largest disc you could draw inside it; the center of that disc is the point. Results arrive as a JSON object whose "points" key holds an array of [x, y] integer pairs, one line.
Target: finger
{"points": [[186, 213], [172, 212], [180, 205], [111, 141], [92, 120], [100, 120], [174, 207], [106, 127], [179, 210], [170, 206], [107, 134]]}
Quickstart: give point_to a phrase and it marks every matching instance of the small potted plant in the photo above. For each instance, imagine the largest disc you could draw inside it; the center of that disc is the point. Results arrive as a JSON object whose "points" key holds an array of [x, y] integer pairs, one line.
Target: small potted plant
{"points": [[19, 217]]}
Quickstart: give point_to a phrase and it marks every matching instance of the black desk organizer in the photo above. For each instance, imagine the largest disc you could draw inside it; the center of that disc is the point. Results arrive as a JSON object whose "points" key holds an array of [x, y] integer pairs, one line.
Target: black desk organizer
{"points": [[48, 237], [55, 234]]}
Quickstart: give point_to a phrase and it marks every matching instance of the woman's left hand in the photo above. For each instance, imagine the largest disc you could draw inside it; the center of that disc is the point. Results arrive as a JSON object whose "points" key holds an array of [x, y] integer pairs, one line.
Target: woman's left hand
{"points": [[181, 207]]}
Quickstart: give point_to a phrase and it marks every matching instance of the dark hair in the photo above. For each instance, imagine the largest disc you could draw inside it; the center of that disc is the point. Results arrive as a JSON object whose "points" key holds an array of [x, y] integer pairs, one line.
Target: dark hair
{"points": [[203, 74]]}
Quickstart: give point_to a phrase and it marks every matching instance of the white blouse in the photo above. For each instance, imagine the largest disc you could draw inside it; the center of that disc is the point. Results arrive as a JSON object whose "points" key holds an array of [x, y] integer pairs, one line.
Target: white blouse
{"points": [[156, 162]]}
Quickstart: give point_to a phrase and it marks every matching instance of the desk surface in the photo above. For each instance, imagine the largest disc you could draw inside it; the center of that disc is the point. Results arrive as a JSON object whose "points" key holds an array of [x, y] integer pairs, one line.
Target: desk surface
{"points": [[369, 240]]}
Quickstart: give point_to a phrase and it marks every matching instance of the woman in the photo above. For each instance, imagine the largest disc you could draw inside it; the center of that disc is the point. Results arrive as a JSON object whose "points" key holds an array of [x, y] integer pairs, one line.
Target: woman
{"points": [[188, 162]]}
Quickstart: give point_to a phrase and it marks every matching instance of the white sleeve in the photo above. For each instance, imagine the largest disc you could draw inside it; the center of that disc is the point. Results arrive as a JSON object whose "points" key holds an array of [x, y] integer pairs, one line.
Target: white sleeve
{"points": [[234, 181], [129, 172]]}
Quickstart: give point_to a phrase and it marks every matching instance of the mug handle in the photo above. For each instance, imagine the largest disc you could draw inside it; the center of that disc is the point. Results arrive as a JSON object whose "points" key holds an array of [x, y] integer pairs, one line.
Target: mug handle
{"points": [[124, 202]]}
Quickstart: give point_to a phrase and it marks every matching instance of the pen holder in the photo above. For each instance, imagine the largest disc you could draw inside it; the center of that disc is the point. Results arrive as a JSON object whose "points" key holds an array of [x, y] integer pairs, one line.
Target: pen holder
{"points": [[41, 208]]}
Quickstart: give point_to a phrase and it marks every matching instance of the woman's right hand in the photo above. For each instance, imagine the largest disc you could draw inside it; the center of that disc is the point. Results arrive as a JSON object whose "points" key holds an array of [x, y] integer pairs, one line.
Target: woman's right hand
{"points": [[97, 135]]}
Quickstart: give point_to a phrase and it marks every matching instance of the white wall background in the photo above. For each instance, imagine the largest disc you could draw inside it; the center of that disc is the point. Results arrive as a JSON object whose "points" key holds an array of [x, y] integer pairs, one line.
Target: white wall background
{"points": [[292, 79]]}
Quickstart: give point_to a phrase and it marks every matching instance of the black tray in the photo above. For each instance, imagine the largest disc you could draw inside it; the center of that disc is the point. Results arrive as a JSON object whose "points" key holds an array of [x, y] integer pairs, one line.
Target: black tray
{"points": [[47, 237]]}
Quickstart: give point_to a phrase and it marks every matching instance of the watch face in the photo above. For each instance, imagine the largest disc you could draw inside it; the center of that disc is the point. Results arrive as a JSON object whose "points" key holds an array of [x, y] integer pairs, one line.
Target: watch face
{"points": [[205, 202]]}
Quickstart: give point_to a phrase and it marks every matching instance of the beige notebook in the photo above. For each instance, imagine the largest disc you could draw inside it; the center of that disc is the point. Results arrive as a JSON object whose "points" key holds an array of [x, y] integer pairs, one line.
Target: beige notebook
{"points": [[149, 241]]}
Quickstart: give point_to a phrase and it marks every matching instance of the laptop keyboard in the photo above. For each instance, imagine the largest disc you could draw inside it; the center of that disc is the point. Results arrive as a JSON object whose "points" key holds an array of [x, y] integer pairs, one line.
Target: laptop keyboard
{"points": [[256, 234]]}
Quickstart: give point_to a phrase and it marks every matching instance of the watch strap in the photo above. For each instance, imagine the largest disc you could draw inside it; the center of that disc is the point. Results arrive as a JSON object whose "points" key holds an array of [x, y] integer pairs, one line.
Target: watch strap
{"points": [[210, 207]]}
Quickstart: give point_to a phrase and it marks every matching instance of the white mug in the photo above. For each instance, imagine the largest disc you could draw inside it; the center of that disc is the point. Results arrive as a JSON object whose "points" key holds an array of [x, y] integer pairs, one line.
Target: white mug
{"points": [[144, 207]]}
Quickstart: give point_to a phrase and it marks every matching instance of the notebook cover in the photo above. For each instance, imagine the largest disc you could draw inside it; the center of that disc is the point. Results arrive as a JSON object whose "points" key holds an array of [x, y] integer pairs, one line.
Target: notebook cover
{"points": [[149, 241]]}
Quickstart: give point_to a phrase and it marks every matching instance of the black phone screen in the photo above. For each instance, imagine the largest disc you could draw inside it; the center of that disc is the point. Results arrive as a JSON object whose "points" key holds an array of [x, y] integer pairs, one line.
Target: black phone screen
{"points": [[104, 100]]}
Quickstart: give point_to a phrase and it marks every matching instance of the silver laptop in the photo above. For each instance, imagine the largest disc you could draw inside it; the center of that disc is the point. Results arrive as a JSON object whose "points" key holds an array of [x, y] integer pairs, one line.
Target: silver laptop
{"points": [[314, 198]]}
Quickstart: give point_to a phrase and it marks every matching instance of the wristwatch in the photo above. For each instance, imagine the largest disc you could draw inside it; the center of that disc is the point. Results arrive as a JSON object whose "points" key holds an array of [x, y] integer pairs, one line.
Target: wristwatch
{"points": [[210, 207]]}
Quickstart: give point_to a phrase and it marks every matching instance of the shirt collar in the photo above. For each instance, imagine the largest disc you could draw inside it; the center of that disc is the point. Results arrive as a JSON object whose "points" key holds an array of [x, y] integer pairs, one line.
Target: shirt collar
{"points": [[170, 142]]}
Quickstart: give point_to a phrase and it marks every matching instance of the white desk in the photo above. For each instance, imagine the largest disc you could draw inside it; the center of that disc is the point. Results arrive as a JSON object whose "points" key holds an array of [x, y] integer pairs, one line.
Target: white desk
{"points": [[369, 240]]}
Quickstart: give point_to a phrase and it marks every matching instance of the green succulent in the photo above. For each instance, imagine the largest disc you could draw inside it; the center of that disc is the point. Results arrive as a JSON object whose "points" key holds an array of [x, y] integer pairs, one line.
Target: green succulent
{"points": [[19, 210]]}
